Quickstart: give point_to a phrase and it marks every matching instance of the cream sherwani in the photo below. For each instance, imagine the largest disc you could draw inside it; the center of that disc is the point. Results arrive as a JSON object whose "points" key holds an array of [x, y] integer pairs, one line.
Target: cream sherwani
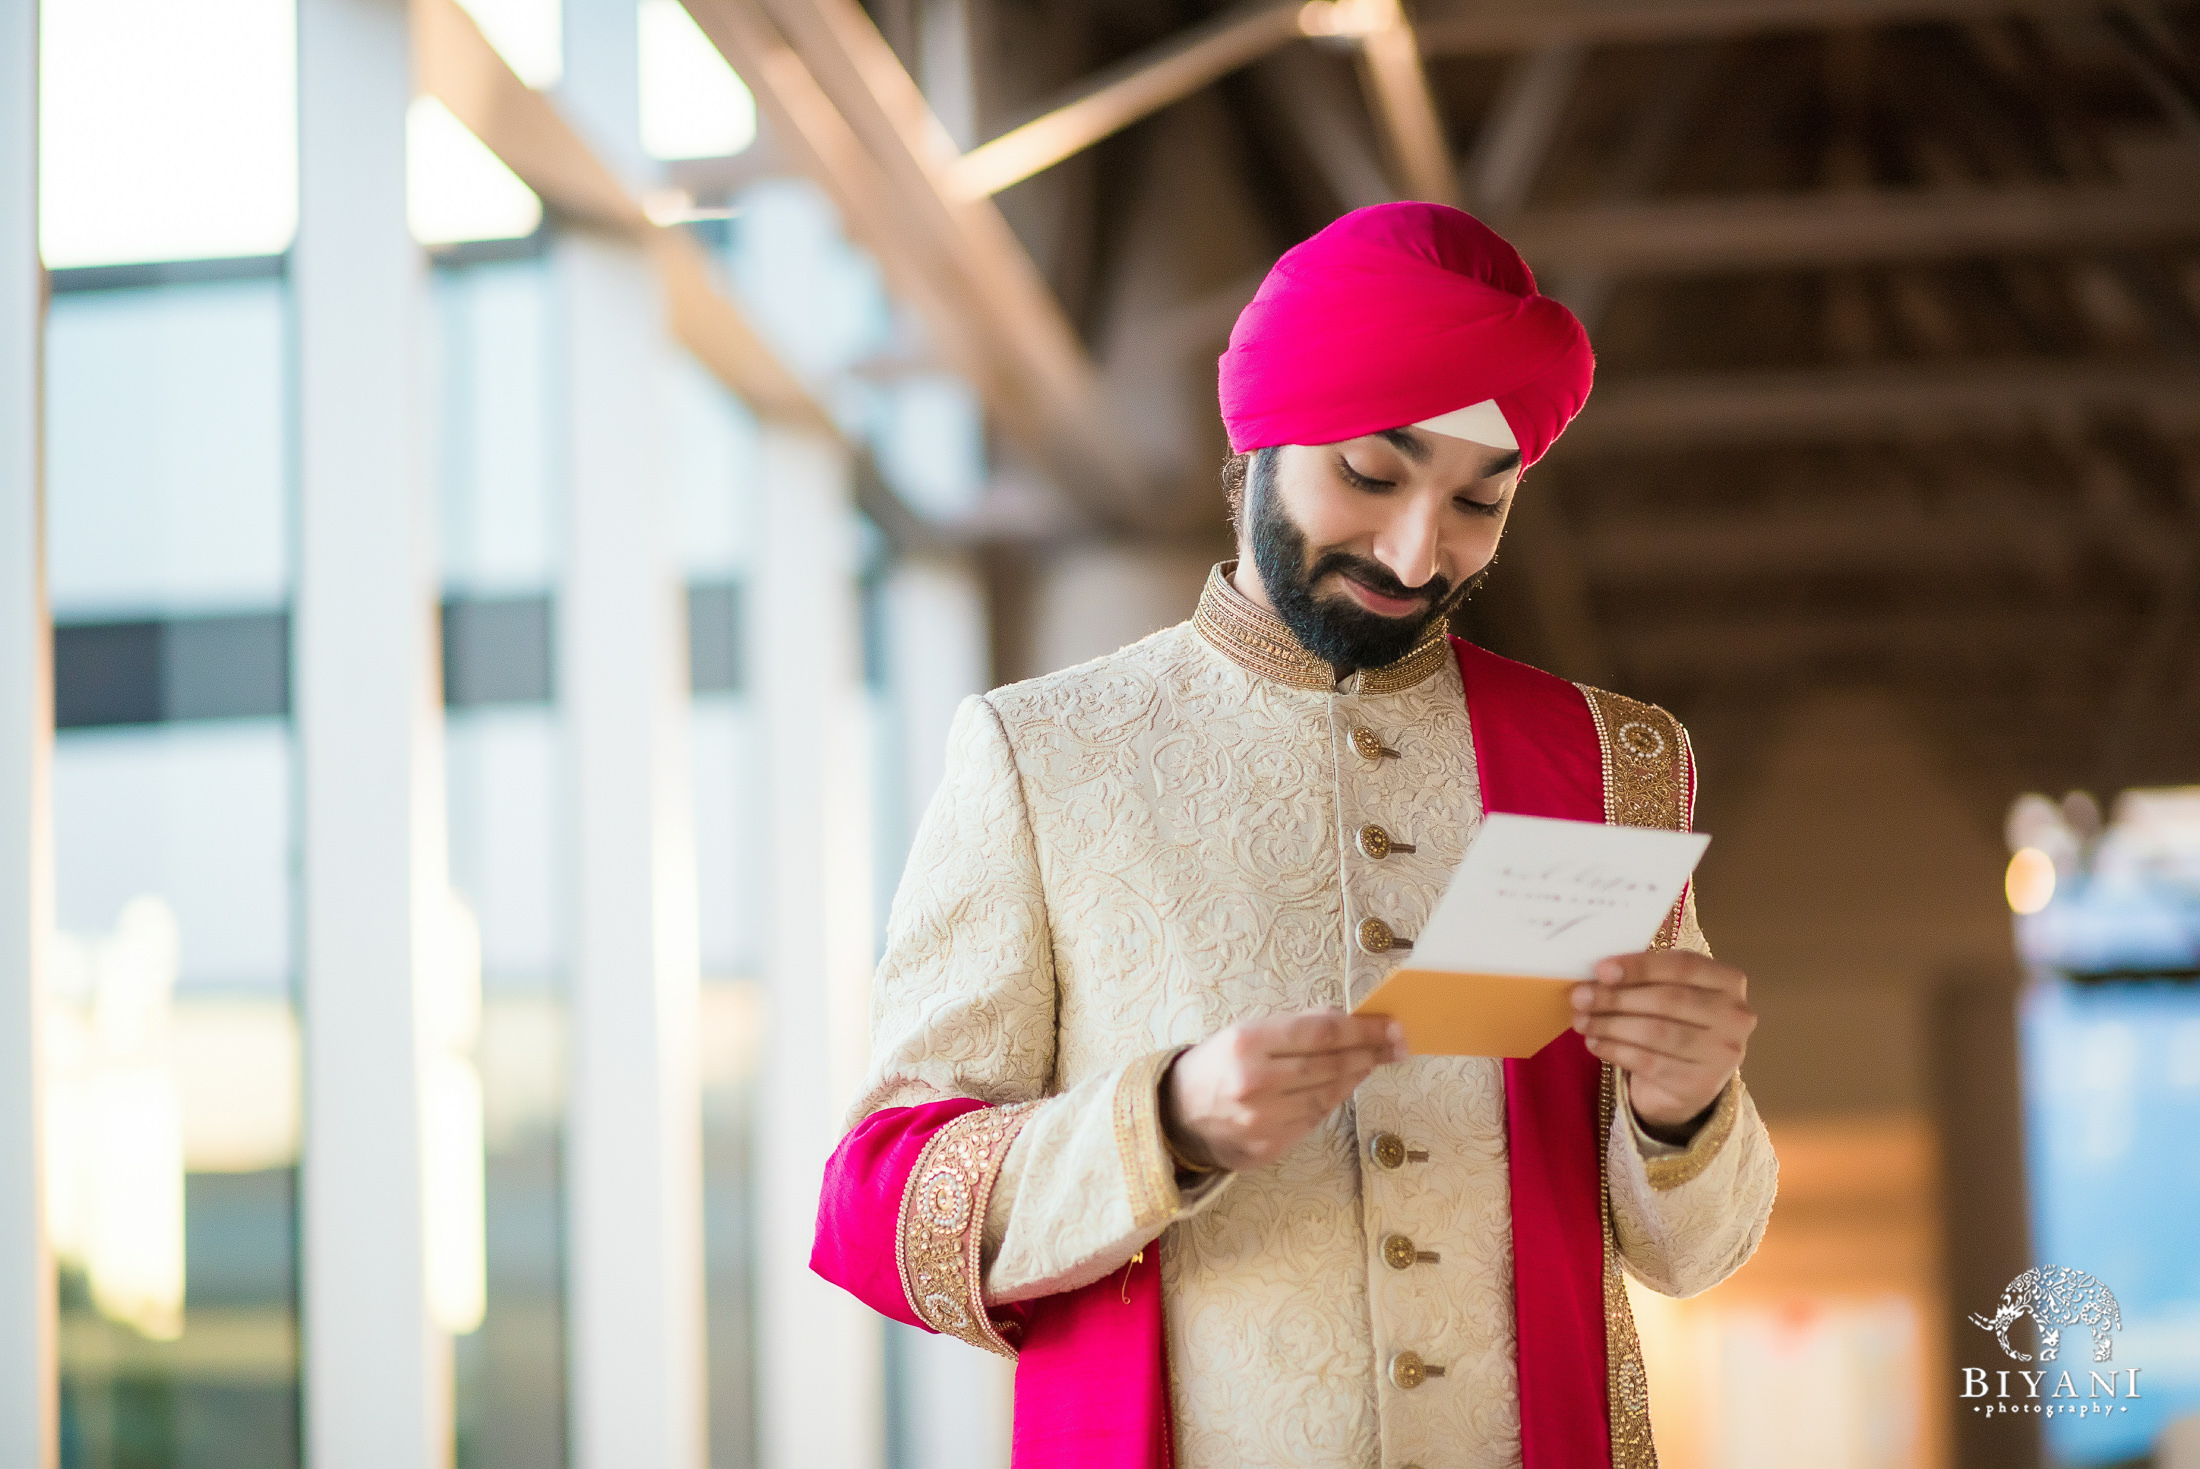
{"points": [[1130, 855]]}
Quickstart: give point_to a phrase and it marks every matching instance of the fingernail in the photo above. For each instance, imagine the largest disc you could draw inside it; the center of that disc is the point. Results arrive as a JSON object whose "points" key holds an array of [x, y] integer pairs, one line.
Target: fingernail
{"points": [[1397, 1033], [1608, 970], [1581, 1023], [1583, 994]]}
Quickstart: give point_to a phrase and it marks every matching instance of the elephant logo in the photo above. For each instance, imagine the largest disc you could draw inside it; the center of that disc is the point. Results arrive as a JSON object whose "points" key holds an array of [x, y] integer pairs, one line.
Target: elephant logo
{"points": [[2055, 1296]]}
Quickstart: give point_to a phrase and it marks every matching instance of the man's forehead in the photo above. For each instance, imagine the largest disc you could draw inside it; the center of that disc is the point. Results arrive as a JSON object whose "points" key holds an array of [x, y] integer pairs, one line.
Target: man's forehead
{"points": [[1416, 443]]}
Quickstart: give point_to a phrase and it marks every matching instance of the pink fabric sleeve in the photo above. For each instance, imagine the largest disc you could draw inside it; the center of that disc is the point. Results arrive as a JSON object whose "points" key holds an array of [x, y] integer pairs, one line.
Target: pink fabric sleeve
{"points": [[859, 1209], [1091, 1380]]}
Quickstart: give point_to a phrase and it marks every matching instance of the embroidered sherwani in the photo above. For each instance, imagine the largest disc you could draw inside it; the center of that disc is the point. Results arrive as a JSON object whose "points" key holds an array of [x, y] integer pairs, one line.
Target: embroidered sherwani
{"points": [[1203, 828]]}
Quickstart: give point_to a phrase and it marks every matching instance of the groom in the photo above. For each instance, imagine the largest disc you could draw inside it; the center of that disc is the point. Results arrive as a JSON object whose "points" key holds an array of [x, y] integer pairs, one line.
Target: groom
{"points": [[1119, 1121]]}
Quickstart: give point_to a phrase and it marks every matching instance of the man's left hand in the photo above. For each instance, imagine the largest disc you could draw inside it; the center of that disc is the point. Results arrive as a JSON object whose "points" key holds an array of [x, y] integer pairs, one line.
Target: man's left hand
{"points": [[1675, 1022]]}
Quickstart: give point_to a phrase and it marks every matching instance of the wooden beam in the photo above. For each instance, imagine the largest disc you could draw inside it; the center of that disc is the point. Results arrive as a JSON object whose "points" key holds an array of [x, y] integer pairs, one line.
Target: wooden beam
{"points": [[454, 63], [1473, 27], [2012, 532], [1539, 536], [1330, 125], [1514, 142], [1653, 136], [836, 93], [708, 324], [1123, 94], [1772, 645], [1943, 399], [1398, 87], [1507, 155], [1850, 227]]}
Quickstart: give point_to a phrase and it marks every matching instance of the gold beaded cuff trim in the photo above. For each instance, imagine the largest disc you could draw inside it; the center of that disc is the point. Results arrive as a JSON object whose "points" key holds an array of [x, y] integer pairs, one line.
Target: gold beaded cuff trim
{"points": [[1626, 1384], [941, 1233], [1675, 1169], [1256, 642], [1149, 1173]]}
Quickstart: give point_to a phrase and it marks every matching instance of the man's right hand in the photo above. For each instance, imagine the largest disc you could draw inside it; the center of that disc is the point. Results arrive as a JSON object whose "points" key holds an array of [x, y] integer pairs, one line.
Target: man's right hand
{"points": [[1245, 1096]]}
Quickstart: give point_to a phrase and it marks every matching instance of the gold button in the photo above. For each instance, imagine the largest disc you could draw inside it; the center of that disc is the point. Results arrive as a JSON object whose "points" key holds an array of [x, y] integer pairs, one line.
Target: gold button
{"points": [[1400, 1253], [1370, 744], [1375, 843], [1388, 1150], [1409, 1371], [1376, 937]]}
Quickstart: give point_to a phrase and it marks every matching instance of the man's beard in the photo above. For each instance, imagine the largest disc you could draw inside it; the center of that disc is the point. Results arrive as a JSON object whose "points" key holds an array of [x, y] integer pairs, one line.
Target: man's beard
{"points": [[1335, 629]]}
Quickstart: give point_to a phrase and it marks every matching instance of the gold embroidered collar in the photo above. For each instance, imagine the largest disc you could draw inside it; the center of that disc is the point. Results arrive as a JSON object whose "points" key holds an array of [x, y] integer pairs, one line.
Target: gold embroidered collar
{"points": [[1255, 641]]}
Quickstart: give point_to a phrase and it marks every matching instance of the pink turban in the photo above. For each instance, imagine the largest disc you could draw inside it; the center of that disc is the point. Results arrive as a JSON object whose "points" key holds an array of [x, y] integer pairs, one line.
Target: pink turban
{"points": [[1395, 315]]}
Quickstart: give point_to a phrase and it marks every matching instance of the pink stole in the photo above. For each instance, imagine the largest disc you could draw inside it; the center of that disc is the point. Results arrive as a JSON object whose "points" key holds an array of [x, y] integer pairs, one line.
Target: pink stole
{"points": [[1092, 1381], [1538, 754]]}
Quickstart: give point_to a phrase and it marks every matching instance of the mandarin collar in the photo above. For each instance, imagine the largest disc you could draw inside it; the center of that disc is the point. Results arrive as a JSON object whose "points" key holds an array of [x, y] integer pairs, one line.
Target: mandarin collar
{"points": [[1256, 641]]}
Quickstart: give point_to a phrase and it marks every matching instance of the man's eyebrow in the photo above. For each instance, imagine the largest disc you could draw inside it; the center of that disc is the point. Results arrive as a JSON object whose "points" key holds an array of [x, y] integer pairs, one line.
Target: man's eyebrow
{"points": [[1501, 464], [1408, 443]]}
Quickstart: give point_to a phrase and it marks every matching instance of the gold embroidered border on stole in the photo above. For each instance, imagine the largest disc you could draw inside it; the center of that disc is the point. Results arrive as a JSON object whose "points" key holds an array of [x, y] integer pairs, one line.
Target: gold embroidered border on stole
{"points": [[1626, 1384], [1649, 771], [1649, 780], [940, 1235]]}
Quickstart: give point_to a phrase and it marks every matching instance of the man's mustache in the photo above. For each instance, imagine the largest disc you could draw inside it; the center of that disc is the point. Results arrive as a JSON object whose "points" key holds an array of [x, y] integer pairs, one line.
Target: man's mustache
{"points": [[1377, 578]]}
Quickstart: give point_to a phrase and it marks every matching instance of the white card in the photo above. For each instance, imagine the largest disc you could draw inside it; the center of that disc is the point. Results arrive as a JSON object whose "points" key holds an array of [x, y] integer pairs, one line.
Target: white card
{"points": [[1544, 898]]}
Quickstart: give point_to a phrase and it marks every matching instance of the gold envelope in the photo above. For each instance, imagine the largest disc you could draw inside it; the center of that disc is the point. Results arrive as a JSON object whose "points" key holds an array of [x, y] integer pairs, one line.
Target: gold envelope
{"points": [[1447, 1013]]}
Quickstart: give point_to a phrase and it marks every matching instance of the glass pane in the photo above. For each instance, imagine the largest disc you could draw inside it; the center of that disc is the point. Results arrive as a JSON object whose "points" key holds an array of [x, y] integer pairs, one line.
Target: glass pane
{"points": [[455, 188], [2111, 1066], [166, 449], [167, 130], [2112, 1076], [173, 1044], [528, 34], [493, 429], [693, 106]]}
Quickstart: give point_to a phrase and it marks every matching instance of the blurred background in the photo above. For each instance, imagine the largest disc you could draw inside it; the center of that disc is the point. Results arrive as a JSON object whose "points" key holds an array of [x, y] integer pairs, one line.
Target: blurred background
{"points": [[502, 499]]}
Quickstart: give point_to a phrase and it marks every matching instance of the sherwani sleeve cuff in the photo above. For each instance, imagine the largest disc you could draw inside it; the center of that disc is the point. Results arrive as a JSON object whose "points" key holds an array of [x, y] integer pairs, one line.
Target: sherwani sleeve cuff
{"points": [[1669, 1165], [1087, 1184], [1688, 1217]]}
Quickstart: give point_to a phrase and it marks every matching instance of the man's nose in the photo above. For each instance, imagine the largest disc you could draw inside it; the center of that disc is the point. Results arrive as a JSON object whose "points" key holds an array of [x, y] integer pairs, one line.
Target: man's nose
{"points": [[1408, 545]]}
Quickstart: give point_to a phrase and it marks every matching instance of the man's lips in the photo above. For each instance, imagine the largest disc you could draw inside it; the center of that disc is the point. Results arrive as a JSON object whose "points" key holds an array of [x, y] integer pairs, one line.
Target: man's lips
{"points": [[1376, 602]]}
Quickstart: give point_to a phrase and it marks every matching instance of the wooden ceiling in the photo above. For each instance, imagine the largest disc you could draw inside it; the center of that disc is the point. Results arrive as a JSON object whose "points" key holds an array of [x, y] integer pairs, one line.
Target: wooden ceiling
{"points": [[1896, 306]]}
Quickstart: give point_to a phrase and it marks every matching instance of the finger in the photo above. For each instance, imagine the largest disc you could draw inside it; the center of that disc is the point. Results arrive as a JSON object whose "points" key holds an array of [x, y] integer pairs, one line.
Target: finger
{"points": [[1665, 1072], [1320, 1104], [1701, 1008], [1670, 1038], [1332, 1030], [1353, 1067], [1301, 1034], [1673, 966], [1300, 1070]]}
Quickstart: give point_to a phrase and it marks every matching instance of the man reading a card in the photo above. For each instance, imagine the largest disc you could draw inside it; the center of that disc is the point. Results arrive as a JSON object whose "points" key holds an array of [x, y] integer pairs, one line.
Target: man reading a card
{"points": [[1121, 1121]]}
